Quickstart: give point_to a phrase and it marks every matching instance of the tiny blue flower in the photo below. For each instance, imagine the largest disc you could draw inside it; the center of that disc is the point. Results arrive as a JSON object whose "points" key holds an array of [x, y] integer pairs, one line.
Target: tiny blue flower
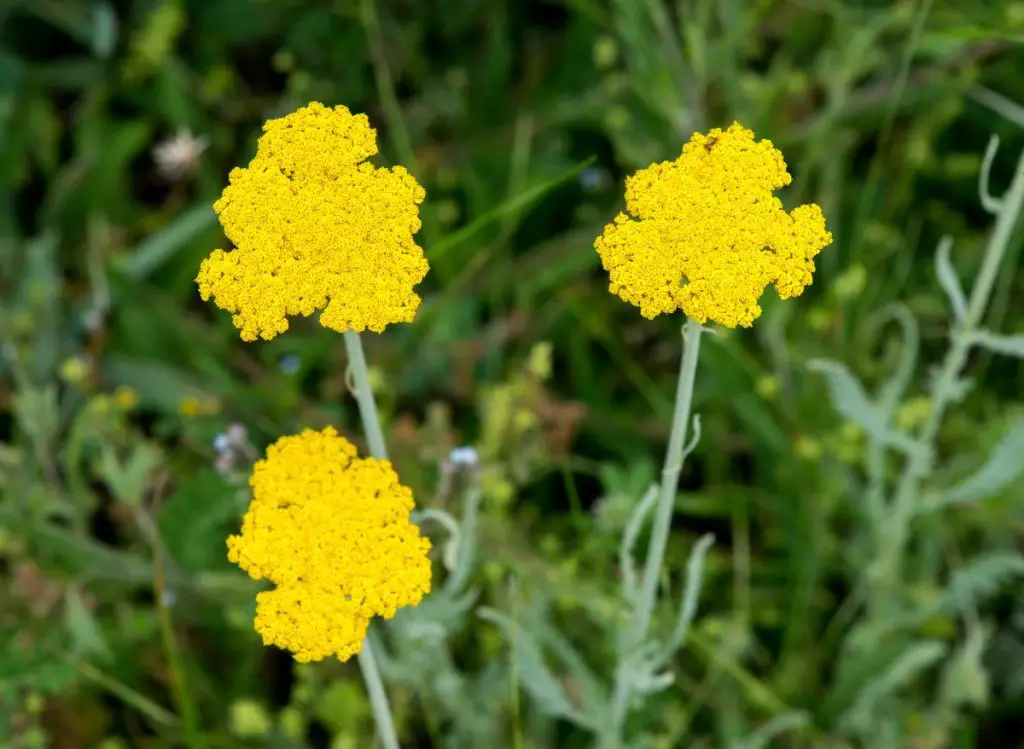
{"points": [[290, 364], [464, 457]]}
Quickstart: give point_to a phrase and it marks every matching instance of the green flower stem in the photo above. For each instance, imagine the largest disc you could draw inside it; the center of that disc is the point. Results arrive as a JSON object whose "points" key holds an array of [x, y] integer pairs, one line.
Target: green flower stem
{"points": [[375, 439], [364, 396], [918, 465], [669, 483], [179, 686], [673, 466]]}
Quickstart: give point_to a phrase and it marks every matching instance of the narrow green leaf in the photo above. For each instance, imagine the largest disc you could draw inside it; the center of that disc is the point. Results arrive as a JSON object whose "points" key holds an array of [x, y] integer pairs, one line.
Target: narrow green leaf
{"points": [[949, 280], [691, 591], [1008, 345], [162, 246], [537, 679], [511, 206], [999, 104]]}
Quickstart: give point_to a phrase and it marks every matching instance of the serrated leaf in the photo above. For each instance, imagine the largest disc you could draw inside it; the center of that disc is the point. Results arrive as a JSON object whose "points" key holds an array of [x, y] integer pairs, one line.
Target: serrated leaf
{"points": [[534, 674], [849, 399], [1003, 467], [976, 582]]}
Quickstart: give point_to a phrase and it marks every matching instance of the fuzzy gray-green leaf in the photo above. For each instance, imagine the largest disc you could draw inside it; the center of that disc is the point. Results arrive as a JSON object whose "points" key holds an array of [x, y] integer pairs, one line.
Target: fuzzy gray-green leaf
{"points": [[1003, 467]]}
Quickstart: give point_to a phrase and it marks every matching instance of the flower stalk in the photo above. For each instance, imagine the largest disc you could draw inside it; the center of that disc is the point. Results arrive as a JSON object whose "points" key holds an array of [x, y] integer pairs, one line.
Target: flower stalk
{"points": [[673, 466], [644, 605], [378, 449], [945, 388]]}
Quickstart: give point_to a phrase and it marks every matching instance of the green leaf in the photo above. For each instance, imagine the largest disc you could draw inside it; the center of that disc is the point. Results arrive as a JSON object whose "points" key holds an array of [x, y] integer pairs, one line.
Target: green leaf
{"points": [[537, 679], [195, 522], [850, 400], [129, 479], [1008, 345], [1003, 467], [893, 677], [774, 727], [965, 680], [999, 104], [87, 639], [158, 385], [949, 280], [509, 207], [159, 248], [976, 582], [104, 28]]}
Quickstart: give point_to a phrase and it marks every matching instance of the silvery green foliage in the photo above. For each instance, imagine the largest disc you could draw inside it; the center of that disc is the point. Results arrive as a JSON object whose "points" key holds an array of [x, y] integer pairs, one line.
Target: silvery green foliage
{"points": [[884, 654], [417, 653]]}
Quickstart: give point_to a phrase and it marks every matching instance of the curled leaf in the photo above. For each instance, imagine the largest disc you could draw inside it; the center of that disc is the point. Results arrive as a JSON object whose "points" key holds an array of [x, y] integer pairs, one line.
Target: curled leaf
{"points": [[949, 281]]}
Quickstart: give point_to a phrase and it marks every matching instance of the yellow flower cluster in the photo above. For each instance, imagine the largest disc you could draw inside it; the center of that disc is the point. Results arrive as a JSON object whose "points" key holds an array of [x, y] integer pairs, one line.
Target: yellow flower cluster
{"points": [[706, 235], [317, 227], [332, 532]]}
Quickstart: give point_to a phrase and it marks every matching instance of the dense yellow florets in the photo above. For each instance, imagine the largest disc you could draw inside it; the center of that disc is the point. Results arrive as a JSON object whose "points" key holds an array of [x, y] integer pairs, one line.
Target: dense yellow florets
{"points": [[332, 532], [316, 227], [707, 236]]}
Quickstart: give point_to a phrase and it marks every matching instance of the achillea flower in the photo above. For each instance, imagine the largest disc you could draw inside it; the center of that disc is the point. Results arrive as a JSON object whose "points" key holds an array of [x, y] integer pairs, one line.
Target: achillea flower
{"points": [[317, 227], [706, 235], [332, 532]]}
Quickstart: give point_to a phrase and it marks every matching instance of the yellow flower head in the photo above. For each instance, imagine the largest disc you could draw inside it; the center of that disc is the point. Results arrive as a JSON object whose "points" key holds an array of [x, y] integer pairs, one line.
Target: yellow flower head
{"points": [[317, 227], [332, 532], [706, 235]]}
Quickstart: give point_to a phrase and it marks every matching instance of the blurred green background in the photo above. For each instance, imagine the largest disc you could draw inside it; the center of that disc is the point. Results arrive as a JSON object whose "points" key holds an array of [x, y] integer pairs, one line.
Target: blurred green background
{"points": [[130, 411]]}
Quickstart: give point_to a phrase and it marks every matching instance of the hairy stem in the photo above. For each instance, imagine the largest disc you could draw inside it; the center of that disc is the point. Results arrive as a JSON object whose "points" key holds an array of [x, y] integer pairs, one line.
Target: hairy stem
{"points": [[673, 466], [648, 597], [375, 439], [945, 387]]}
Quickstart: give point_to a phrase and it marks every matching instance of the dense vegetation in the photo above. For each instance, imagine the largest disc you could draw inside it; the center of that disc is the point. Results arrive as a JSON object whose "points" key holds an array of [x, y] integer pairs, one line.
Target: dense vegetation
{"points": [[131, 412]]}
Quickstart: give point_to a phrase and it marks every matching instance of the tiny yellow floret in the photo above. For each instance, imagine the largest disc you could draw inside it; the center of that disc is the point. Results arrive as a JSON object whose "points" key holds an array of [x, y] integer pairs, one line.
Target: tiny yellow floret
{"points": [[332, 532], [704, 233], [316, 227]]}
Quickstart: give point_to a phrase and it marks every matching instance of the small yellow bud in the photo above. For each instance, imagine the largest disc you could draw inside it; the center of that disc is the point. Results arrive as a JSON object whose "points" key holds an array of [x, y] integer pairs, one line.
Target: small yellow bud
{"points": [[850, 283], [851, 432], [606, 51], [125, 398], [819, 318], [767, 386], [539, 363], [292, 722], [807, 448], [249, 719], [73, 370], [376, 379], [34, 703], [343, 741], [617, 118], [100, 404], [190, 406], [913, 413]]}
